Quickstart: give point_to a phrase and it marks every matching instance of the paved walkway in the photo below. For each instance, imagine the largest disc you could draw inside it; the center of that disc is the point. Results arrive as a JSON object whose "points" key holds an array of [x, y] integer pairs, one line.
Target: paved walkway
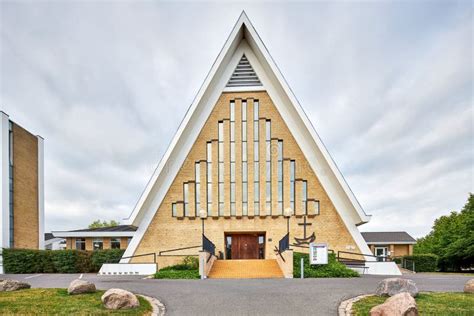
{"points": [[247, 297]]}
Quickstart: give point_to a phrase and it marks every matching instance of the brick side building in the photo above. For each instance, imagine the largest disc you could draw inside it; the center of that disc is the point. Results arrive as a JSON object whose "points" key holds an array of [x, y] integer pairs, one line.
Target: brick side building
{"points": [[390, 244], [115, 237], [21, 188]]}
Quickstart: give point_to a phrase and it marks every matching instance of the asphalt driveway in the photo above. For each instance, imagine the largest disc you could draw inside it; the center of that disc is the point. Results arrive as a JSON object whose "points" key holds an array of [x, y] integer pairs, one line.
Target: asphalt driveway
{"points": [[247, 297]]}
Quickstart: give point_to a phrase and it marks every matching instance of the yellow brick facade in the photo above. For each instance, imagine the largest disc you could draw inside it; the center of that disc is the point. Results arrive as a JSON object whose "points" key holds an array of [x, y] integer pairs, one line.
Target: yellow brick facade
{"points": [[25, 189], [168, 232]]}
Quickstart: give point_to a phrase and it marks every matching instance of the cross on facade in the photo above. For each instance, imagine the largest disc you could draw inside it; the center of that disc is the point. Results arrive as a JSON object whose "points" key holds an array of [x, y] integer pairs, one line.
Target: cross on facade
{"points": [[304, 224]]}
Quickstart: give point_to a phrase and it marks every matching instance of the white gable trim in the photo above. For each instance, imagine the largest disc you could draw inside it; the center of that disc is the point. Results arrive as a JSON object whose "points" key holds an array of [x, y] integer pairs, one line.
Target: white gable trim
{"points": [[283, 98]]}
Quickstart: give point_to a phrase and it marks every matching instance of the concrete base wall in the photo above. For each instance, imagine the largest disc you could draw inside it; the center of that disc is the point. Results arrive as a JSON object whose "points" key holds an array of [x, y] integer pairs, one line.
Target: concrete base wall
{"points": [[285, 261]]}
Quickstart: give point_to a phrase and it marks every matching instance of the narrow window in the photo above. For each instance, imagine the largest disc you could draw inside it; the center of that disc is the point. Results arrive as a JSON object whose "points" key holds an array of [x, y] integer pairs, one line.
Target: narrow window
{"points": [[268, 168], [209, 179], [256, 158], [232, 159], [10, 177], [98, 244], [186, 199], [174, 210], [80, 243], [280, 177], [220, 170], [244, 160], [292, 185], [304, 195], [197, 190]]}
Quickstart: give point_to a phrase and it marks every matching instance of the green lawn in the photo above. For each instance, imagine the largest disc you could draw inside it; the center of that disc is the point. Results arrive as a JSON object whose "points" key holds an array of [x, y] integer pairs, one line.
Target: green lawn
{"points": [[58, 302], [428, 304]]}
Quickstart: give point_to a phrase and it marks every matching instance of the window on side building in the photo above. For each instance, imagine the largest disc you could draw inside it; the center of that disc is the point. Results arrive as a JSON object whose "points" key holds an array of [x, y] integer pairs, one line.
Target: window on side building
{"points": [[98, 244], [115, 243], [80, 243]]}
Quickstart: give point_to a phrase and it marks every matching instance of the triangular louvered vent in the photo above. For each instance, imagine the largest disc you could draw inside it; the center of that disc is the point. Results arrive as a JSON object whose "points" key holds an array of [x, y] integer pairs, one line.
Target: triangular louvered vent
{"points": [[244, 75]]}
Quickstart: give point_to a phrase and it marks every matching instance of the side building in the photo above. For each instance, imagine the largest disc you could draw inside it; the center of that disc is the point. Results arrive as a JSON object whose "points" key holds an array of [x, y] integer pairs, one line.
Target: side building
{"points": [[116, 237], [390, 244], [21, 187]]}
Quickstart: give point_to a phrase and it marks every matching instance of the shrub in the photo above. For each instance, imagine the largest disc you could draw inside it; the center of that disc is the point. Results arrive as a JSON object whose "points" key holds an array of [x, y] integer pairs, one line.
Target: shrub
{"points": [[397, 260], [424, 262], [191, 262], [60, 261], [334, 269], [188, 269]]}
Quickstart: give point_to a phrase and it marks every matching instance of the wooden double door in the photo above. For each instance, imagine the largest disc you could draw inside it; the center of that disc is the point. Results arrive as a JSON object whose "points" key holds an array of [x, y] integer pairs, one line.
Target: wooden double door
{"points": [[244, 246]]}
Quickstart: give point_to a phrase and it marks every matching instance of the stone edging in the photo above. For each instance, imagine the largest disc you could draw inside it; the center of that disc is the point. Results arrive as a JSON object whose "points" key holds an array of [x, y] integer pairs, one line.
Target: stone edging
{"points": [[345, 308], [158, 307]]}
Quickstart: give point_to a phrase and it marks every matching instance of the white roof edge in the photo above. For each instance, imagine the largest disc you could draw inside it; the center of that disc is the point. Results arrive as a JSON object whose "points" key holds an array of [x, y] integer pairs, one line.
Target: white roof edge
{"points": [[391, 242], [64, 234]]}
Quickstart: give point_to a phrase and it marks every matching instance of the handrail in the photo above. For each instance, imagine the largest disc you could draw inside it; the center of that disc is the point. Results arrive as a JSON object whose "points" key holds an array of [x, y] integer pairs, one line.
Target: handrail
{"points": [[360, 254], [208, 246], [141, 255], [283, 245], [177, 249]]}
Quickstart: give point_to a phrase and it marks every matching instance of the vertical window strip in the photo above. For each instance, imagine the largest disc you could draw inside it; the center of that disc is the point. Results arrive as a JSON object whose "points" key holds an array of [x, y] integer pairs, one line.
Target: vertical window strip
{"points": [[10, 176], [244, 160], [256, 189], [232, 158], [292, 185], [209, 179], [220, 170], [304, 195], [197, 190], [280, 177], [268, 168]]}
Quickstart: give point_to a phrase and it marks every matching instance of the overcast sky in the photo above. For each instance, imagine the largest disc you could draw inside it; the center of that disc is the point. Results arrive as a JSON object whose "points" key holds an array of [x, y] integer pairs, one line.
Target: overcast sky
{"points": [[388, 86]]}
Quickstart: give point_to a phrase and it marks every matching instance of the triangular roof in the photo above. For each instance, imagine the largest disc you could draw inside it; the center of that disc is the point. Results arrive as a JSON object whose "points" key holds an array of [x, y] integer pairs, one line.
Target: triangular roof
{"points": [[244, 40]]}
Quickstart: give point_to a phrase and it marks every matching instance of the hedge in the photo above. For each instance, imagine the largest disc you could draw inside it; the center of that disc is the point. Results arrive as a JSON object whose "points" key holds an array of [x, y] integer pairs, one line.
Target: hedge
{"points": [[424, 262], [57, 261], [397, 260]]}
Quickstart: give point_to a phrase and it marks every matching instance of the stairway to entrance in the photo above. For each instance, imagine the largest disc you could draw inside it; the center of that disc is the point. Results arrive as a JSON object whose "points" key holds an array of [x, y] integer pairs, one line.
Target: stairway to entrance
{"points": [[245, 269]]}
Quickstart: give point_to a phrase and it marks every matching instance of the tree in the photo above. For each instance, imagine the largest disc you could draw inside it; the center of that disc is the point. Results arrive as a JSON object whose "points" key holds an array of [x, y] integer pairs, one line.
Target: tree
{"points": [[98, 224], [452, 239]]}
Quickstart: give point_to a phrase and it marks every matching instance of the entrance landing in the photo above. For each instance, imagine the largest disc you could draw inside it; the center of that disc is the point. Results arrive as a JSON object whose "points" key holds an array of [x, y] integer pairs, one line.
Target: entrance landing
{"points": [[245, 269]]}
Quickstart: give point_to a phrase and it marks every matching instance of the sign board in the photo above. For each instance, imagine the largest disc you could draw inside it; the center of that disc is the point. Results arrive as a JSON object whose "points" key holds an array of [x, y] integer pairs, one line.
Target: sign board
{"points": [[318, 253]]}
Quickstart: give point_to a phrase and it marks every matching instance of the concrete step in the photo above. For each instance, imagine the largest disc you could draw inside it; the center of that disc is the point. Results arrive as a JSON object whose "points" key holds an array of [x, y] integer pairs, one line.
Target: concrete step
{"points": [[127, 269], [245, 269]]}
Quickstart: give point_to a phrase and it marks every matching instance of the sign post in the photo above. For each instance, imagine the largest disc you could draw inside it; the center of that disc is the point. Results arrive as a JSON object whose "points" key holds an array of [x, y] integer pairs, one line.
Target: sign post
{"points": [[318, 253], [302, 269]]}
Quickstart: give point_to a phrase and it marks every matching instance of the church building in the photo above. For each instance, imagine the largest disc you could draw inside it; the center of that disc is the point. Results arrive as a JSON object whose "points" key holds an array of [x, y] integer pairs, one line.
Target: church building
{"points": [[246, 173]]}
